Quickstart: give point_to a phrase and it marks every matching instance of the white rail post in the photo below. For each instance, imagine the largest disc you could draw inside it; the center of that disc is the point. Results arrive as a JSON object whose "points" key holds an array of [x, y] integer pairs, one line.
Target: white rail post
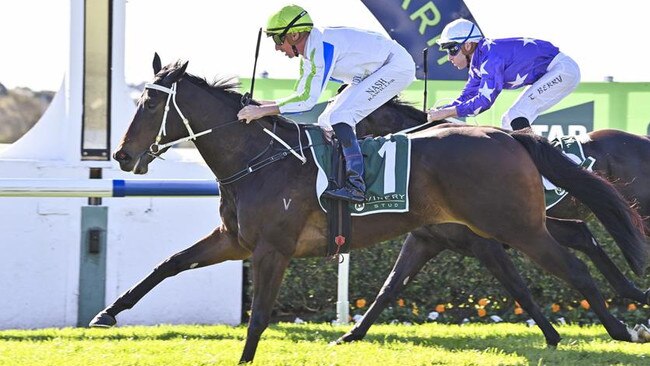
{"points": [[343, 303]]}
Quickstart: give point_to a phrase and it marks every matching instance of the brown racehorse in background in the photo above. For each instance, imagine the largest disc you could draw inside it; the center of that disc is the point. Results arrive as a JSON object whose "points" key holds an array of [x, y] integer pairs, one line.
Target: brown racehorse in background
{"points": [[507, 205], [621, 157]]}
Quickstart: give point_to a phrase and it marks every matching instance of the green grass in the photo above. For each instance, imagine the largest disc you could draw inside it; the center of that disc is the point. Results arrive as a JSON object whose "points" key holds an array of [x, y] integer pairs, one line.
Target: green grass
{"points": [[308, 344]]}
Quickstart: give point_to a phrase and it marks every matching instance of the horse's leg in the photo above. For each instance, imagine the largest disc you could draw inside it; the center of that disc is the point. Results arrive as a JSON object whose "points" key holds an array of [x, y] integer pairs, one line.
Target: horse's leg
{"points": [[415, 252], [268, 269], [217, 247], [576, 235], [545, 251], [494, 257]]}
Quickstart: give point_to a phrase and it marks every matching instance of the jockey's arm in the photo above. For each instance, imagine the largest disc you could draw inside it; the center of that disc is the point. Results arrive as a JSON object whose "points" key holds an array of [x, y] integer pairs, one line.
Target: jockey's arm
{"points": [[253, 112], [442, 113]]}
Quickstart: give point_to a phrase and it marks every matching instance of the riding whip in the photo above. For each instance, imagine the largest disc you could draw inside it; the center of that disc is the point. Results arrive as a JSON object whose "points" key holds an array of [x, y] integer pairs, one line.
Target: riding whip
{"points": [[425, 53], [247, 97]]}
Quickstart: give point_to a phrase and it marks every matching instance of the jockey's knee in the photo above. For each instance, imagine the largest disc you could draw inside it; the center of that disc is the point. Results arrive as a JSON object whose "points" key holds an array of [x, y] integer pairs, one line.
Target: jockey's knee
{"points": [[519, 123], [345, 133], [516, 119]]}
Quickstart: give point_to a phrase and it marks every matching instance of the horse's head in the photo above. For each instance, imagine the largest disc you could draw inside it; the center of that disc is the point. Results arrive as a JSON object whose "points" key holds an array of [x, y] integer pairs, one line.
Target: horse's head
{"points": [[157, 120]]}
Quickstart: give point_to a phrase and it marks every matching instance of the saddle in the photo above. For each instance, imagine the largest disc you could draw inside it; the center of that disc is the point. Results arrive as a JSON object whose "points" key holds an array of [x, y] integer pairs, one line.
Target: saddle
{"points": [[387, 168]]}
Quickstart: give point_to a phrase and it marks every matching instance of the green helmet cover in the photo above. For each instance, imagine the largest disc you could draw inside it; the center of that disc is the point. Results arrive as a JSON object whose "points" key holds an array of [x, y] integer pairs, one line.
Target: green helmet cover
{"points": [[279, 21]]}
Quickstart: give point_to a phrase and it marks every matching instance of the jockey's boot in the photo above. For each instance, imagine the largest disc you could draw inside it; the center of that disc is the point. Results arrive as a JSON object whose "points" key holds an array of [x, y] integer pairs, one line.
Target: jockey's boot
{"points": [[519, 123], [354, 188]]}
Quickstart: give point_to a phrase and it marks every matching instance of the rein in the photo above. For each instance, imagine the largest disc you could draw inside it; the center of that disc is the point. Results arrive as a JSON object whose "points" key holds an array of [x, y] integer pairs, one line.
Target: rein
{"points": [[156, 147], [261, 164]]}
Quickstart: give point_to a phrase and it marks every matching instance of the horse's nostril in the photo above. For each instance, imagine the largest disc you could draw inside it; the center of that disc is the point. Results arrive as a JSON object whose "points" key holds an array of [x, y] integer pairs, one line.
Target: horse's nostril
{"points": [[121, 156]]}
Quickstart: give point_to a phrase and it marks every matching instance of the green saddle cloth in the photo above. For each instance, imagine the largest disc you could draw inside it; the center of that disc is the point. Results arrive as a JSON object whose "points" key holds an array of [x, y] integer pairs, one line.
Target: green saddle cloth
{"points": [[572, 148], [387, 165]]}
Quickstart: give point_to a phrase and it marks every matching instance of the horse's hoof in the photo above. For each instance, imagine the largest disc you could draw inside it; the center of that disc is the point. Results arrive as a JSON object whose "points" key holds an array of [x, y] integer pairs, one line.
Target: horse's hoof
{"points": [[643, 332], [341, 340], [347, 338], [552, 344], [103, 320]]}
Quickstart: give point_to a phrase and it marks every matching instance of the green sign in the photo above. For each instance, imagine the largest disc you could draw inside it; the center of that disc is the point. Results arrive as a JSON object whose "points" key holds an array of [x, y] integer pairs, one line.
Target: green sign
{"points": [[592, 106]]}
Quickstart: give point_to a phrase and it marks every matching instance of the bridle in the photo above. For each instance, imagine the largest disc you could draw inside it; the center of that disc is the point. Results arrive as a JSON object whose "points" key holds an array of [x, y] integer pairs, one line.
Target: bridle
{"points": [[156, 147]]}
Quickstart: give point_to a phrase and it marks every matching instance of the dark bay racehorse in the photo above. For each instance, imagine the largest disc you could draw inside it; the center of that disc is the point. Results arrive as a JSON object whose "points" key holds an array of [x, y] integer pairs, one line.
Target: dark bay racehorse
{"points": [[621, 157], [508, 205]]}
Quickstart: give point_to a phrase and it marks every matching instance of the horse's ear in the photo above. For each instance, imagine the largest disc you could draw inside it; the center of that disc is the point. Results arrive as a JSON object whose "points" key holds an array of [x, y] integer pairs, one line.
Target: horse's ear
{"points": [[176, 74], [184, 67], [156, 63]]}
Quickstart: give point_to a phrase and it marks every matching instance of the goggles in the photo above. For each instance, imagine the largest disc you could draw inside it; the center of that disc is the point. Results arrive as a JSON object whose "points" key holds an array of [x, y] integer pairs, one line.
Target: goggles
{"points": [[278, 38], [453, 49]]}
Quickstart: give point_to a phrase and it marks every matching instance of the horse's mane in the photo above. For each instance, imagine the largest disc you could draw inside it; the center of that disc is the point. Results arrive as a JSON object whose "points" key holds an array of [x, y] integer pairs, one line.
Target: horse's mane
{"points": [[407, 109], [402, 107], [227, 86]]}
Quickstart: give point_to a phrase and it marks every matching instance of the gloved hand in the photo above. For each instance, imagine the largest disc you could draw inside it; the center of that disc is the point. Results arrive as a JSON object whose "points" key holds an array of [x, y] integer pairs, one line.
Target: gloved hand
{"points": [[436, 114]]}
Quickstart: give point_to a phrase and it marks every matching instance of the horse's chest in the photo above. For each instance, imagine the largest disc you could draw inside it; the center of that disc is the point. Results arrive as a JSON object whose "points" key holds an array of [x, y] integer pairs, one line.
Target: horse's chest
{"points": [[291, 223]]}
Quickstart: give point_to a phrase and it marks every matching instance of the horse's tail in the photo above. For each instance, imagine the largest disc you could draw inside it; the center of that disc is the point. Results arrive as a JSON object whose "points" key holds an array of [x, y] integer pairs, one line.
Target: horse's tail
{"points": [[621, 221]]}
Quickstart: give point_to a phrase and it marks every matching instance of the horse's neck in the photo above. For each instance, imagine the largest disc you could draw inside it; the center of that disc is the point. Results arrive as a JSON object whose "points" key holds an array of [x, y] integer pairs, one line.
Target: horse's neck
{"points": [[230, 149], [231, 145], [227, 150]]}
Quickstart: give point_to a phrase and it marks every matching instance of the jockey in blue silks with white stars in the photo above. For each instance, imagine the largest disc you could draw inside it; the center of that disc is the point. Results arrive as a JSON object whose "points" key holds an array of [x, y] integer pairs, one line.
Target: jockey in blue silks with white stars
{"points": [[508, 63]]}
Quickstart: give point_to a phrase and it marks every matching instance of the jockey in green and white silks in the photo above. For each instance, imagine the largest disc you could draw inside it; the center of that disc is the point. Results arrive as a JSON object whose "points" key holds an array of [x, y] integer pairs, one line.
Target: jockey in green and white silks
{"points": [[375, 68]]}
